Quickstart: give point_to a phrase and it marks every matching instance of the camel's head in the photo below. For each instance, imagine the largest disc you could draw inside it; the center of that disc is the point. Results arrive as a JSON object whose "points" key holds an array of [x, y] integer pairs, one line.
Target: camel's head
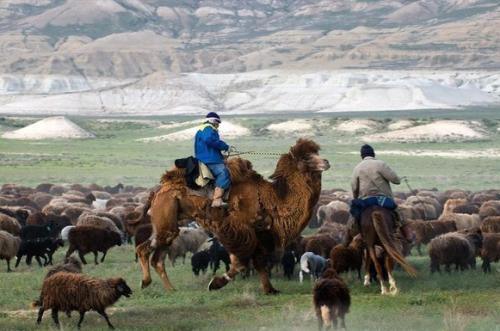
{"points": [[304, 159], [306, 154]]}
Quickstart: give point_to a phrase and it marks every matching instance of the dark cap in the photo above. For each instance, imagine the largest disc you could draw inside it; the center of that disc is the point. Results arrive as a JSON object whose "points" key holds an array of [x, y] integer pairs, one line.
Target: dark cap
{"points": [[367, 150]]}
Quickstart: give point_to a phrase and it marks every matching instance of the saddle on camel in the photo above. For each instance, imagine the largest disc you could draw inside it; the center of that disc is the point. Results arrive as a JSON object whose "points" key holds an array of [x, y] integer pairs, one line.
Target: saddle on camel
{"points": [[262, 215], [376, 217]]}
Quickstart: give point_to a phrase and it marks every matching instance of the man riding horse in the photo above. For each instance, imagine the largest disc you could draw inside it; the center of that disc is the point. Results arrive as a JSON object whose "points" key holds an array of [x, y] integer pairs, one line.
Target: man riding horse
{"points": [[371, 186]]}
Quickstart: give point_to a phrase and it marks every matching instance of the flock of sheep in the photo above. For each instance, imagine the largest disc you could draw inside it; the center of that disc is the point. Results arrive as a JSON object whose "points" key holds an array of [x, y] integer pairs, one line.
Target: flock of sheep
{"points": [[456, 225]]}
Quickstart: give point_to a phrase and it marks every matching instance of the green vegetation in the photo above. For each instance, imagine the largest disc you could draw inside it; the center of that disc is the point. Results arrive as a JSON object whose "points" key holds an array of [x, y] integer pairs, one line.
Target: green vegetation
{"points": [[460, 301], [115, 155]]}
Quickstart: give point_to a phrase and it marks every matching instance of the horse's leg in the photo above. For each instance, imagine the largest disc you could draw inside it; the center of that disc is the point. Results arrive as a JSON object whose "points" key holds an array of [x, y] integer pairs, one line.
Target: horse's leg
{"points": [[143, 251], [378, 268], [389, 265], [158, 261], [368, 262], [219, 282]]}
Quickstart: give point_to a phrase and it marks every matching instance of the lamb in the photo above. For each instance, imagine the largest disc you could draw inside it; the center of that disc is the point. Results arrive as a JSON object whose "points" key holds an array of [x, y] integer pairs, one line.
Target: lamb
{"points": [[9, 245], [86, 239], [344, 259], [71, 291], [491, 224], [312, 264], [71, 264], [455, 248], [200, 261], [331, 300], [490, 252], [427, 230], [10, 224]]}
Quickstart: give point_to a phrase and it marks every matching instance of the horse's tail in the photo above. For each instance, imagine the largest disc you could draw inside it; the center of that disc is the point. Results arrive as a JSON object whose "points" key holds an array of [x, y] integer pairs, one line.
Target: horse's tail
{"points": [[326, 315], [383, 234]]}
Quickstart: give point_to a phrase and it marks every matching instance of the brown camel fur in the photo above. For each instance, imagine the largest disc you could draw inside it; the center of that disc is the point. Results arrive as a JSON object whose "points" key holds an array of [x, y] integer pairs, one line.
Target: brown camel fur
{"points": [[262, 216], [377, 228]]}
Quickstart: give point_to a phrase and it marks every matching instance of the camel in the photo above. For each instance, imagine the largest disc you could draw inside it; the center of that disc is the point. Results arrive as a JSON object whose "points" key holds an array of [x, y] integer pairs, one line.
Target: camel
{"points": [[263, 215], [377, 226]]}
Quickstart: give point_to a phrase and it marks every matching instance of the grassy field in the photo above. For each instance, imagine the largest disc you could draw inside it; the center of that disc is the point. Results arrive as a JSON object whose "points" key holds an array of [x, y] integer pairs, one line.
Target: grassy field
{"points": [[116, 156], [460, 301]]}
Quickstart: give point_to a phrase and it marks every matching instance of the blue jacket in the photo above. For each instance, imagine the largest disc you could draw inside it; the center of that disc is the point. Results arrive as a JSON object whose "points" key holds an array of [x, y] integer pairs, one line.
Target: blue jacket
{"points": [[208, 146]]}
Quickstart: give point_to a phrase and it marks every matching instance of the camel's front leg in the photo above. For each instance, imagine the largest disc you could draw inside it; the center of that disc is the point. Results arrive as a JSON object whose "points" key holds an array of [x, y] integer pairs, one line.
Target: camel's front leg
{"points": [[259, 262], [219, 282]]}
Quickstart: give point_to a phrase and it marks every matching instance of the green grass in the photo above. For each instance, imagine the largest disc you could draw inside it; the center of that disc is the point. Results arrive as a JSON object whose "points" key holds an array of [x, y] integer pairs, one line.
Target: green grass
{"points": [[115, 155], [460, 301]]}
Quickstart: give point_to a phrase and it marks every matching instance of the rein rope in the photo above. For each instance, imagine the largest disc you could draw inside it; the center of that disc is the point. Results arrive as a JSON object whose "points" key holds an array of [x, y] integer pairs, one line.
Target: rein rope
{"points": [[238, 153]]}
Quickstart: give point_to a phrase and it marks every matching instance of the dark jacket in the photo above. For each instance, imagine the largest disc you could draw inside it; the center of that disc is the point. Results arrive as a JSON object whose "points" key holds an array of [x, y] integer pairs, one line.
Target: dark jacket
{"points": [[208, 146]]}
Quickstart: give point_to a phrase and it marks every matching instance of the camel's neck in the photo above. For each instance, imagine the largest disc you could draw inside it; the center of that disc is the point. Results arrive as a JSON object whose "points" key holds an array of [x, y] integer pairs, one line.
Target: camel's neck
{"points": [[296, 208]]}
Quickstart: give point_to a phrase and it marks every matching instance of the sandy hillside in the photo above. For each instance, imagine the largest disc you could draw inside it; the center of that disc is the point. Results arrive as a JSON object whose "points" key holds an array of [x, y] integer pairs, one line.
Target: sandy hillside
{"points": [[300, 126], [227, 130], [356, 125], [398, 125], [49, 128], [444, 130]]}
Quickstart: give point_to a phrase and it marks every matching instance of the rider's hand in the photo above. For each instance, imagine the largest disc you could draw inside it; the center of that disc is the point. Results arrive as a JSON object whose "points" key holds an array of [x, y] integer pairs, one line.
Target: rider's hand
{"points": [[232, 149], [403, 178]]}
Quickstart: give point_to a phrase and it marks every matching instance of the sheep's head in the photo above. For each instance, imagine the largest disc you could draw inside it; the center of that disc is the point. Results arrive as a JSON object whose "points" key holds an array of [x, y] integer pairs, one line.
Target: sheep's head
{"points": [[122, 287]]}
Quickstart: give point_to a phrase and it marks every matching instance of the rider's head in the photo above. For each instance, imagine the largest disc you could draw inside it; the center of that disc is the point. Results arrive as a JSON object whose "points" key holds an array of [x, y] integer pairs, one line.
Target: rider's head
{"points": [[213, 119], [367, 150]]}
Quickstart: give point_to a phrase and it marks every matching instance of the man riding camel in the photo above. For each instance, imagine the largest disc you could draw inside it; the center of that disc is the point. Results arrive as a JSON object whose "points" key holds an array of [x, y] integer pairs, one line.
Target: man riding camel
{"points": [[371, 186], [207, 148]]}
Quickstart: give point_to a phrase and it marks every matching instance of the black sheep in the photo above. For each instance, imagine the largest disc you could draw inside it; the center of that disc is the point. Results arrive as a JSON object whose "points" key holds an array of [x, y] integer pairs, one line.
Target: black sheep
{"points": [[38, 248], [200, 261]]}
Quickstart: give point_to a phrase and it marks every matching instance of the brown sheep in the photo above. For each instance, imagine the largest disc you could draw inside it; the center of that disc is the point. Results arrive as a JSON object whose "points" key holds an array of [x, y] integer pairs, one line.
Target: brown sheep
{"points": [[66, 292], [331, 300], [427, 230], [320, 244], [490, 208], [455, 248], [491, 224], [490, 252], [88, 219], [41, 199], [86, 239], [338, 231], [463, 221], [71, 264], [344, 259], [9, 245], [10, 224], [73, 213]]}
